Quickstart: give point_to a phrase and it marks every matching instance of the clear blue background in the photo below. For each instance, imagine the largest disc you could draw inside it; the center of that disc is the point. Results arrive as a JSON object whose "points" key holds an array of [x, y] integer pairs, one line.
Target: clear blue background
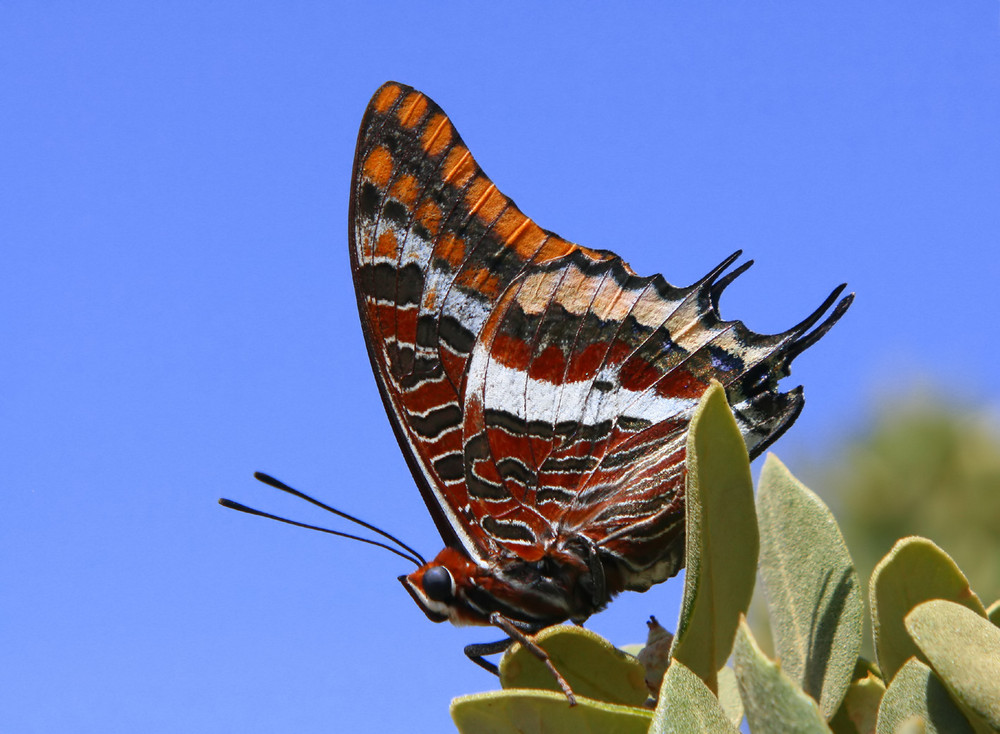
{"points": [[177, 308]]}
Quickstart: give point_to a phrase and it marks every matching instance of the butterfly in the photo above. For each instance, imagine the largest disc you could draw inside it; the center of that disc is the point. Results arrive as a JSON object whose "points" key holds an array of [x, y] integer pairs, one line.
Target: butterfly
{"points": [[540, 390]]}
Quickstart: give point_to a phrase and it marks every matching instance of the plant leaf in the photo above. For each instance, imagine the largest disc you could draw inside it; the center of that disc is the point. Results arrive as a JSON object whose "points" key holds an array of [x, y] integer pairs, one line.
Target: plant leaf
{"points": [[964, 650], [914, 571], [593, 667], [722, 541], [994, 612], [813, 593], [687, 705], [543, 712], [913, 725], [916, 691], [858, 712], [865, 667], [773, 702], [729, 696]]}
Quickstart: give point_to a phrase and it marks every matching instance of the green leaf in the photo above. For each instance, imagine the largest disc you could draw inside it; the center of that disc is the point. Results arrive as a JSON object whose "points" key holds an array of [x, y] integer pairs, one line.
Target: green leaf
{"points": [[914, 571], [722, 542], [813, 593], [994, 612], [729, 696], [858, 711], [593, 667], [773, 702], [865, 667], [913, 725], [964, 650], [687, 705], [543, 712], [917, 692]]}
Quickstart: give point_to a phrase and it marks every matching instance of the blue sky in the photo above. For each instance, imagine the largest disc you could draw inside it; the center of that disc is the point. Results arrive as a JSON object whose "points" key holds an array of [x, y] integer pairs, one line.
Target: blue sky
{"points": [[178, 307]]}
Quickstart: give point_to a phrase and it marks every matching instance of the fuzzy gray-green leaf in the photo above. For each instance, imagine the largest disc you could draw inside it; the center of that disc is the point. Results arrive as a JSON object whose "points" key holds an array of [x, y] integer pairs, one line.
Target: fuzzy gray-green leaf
{"points": [[813, 593], [729, 696], [722, 541], [543, 712], [917, 692], [914, 571], [774, 704], [964, 650], [687, 705], [858, 711], [994, 612], [593, 667]]}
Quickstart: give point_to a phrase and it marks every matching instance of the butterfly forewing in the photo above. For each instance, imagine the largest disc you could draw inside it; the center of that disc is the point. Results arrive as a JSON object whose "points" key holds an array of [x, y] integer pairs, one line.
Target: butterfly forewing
{"points": [[434, 246], [540, 390]]}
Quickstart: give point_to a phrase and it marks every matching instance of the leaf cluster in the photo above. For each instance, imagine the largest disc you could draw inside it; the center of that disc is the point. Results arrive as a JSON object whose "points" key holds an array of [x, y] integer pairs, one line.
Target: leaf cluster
{"points": [[937, 647]]}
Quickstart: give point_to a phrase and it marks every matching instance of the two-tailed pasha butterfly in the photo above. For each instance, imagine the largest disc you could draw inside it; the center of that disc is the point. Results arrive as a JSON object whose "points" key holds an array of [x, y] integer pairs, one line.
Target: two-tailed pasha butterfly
{"points": [[540, 391]]}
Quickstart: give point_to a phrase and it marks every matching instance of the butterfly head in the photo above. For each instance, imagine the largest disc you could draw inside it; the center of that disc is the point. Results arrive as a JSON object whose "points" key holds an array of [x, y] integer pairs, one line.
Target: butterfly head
{"points": [[538, 593], [438, 588]]}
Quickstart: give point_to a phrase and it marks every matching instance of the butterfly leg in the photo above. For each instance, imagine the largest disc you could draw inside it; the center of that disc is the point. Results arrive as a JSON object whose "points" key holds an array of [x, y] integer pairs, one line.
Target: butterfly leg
{"points": [[475, 653], [599, 592], [529, 644]]}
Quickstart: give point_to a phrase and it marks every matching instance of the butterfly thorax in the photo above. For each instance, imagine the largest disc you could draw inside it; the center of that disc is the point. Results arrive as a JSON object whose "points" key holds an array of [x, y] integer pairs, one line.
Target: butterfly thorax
{"points": [[566, 583]]}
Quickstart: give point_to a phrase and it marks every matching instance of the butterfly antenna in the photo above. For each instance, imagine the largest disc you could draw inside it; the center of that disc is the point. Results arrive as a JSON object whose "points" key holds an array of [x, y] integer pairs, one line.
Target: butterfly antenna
{"points": [[277, 484], [250, 511]]}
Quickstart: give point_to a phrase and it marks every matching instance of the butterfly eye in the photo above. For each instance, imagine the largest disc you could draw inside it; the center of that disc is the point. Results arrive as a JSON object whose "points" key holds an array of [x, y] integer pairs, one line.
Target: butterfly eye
{"points": [[438, 585]]}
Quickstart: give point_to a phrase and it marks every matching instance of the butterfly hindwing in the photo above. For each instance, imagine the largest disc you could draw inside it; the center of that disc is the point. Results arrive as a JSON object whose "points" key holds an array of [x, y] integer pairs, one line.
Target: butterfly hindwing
{"points": [[578, 397]]}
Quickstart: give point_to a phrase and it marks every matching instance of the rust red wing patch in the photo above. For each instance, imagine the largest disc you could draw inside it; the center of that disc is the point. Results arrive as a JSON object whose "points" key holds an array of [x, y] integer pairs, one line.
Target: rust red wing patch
{"points": [[540, 391]]}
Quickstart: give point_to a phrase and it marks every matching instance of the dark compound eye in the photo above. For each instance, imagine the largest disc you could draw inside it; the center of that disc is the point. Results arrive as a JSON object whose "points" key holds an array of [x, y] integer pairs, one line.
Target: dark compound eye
{"points": [[437, 584]]}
